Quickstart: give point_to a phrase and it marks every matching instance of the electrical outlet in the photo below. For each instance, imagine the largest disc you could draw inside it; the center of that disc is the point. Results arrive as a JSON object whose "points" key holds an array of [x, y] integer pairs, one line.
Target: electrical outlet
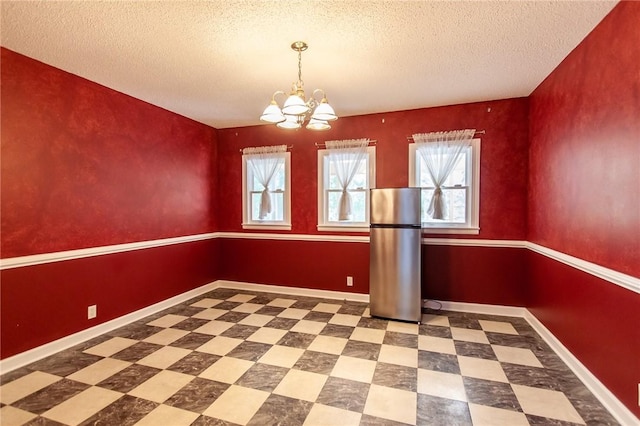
{"points": [[349, 281], [92, 312]]}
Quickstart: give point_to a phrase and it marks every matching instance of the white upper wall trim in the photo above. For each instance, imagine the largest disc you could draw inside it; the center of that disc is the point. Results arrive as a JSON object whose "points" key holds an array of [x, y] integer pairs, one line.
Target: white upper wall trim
{"points": [[623, 280], [627, 281], [37, 259]]}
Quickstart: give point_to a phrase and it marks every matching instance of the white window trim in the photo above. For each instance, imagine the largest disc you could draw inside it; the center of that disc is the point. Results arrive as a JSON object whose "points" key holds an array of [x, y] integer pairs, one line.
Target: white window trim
{"points": [[347, 227], [474, 226], [283, 225]]}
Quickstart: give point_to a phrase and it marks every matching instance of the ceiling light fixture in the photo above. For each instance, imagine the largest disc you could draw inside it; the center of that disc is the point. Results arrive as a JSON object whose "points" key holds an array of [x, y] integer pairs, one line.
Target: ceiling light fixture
{"points": [[296, 109]]}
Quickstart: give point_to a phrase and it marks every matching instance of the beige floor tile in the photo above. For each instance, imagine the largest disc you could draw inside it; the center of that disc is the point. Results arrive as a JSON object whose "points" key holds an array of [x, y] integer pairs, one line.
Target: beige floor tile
{"points": [[497, 327], [161, 386], [241, 298], [281, 356], [293, 313], [257, 320], [436, 344], [328, 344], [444, 385], [323, 415], [226, 370], [329, 308], [247, 308], [206, 303], [226, 407], [82, 406], [392, 404], [516, 356], [367, 313], [11, 416], [467, 335], [309, 327], [402, 327], [345, 319], [98, 371], [164, 357], [439, 320], [483, 415], [166, 336], [303, 385], [267, 335], [214, 327], [167, 320], [399, 355], [220, 345], [210, 314], [370, 335], [358, 369], [546, 403], [482, 369], [111, 346], [281, 303], [166, 415], [26, 385]]}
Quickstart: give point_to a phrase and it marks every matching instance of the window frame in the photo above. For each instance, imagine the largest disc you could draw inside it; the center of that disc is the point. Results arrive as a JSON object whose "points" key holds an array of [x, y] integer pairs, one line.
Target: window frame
{"points": [[247, 176], [472, 214], [323, 215]]}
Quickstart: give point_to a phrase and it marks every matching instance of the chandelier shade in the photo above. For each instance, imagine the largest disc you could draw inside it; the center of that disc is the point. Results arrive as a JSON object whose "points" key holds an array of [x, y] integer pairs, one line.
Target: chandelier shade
{"points": [[296, 110]]}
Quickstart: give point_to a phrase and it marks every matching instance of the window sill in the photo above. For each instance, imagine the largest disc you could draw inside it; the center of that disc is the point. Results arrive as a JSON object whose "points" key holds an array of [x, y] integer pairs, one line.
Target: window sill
{"points": [[334, 228], [275, 226], [450, 230]]}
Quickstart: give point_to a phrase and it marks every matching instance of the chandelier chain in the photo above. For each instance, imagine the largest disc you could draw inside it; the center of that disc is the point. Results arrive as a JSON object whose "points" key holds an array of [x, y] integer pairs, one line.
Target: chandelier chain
{"points": [[300, 66]]}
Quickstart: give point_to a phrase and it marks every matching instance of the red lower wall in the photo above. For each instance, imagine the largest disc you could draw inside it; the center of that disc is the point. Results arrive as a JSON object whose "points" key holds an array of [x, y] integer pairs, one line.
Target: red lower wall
{"points": [[42, 303], [491, 275], [596, 320], [465, 274]]}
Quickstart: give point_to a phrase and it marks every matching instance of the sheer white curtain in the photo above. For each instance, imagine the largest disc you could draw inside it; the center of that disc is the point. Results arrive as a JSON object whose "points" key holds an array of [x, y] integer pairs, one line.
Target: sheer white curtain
{"points": [[440, 152], [346, 157], [264, 162]]}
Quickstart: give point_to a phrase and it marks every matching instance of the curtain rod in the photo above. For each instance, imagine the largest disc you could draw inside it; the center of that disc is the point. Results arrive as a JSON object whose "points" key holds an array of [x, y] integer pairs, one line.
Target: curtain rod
{"points": [[478, 132], [323, 145], [289, 148]]}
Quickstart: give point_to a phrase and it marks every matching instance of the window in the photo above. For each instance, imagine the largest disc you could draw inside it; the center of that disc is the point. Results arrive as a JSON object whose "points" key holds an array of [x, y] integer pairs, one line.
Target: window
{"points": [[330, 189], [263, 169], [460, 190]]}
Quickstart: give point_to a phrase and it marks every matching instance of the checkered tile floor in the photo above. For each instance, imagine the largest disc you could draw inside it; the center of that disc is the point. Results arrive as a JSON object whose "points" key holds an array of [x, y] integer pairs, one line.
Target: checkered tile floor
{"points": [[238, 357]]}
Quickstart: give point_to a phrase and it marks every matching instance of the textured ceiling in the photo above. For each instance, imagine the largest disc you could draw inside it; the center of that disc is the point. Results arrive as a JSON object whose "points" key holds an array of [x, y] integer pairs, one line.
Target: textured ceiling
{"points": [[219, 62]]}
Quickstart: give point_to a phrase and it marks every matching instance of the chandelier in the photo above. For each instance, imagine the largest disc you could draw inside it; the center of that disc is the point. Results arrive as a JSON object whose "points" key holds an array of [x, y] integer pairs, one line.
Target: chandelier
{"points": [[296, 109]]}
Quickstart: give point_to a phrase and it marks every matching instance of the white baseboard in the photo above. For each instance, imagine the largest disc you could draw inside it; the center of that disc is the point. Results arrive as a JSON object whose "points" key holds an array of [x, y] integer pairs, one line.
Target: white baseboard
{"points": [[294, 291], [35, 354], [617, 409]]}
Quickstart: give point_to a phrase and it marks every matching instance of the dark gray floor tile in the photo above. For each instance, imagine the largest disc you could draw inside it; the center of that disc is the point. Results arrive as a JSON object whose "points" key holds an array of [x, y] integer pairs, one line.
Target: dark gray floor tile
{"points": [[137, 351], [434, 331], [490, 393], [345, 394], [194, 363], [294, 339], [282, 323], [197, 395], [262, 377], [437, 361], [127, 379], [376, 323], [190, 324], [401, 339], [126, 411], [64, 363], [192, 340], [316, 362], [250, 351], [336, 330], [396, 376], [364, 350], [433, 410], [281, 411], [476, 350], [50, 396], [233, 317], [240, 331], [318, 316]]}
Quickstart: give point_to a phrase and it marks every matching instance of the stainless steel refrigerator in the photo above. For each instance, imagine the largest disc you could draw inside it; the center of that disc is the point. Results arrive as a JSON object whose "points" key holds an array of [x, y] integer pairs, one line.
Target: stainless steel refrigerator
{"points": [[394, 254]]}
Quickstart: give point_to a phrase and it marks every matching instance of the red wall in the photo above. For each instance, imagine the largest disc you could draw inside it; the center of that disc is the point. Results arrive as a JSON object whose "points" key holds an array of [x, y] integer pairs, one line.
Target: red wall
{"points": [[503, 180], [503, 185], [85, 166], [584, 199]]}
